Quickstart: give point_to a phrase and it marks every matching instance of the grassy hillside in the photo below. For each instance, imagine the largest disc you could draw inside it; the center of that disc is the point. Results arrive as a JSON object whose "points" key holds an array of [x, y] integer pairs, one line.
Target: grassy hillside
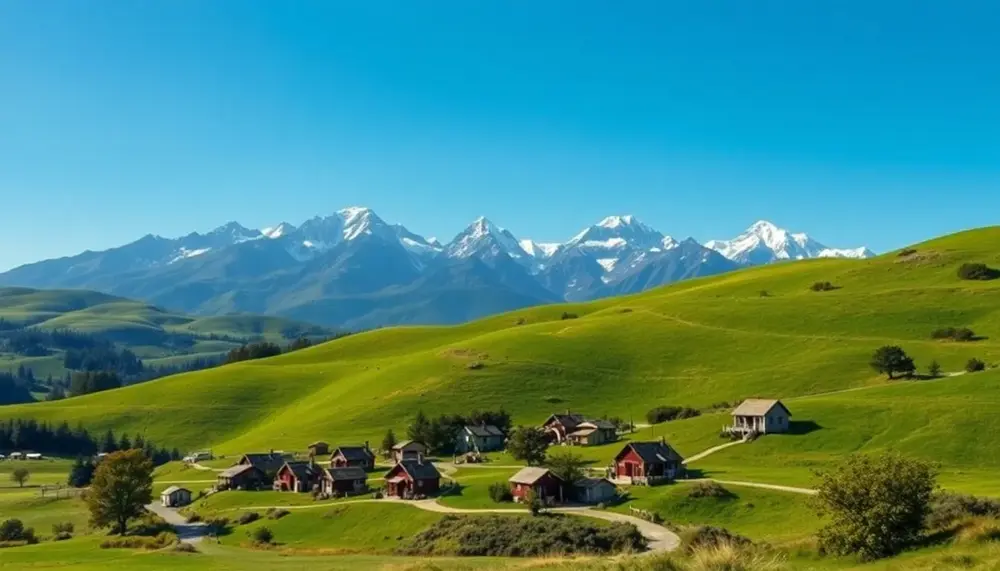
{"points": [[153, 334], [758, 332]]}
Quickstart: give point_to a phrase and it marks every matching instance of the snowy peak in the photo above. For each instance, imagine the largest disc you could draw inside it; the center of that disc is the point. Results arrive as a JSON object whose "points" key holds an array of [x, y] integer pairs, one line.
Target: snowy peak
{"points": [[764, 242], [485, 240], [617, 232], [278, 231], [539, 251], [236, 231]]}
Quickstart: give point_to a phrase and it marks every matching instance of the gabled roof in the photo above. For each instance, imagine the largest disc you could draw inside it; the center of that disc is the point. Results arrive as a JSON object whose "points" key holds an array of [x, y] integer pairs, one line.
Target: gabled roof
{"points": [[409, 444], [236, 470], [304, 470], [653, 452], [592, 482], [347, 473], [355, 453], [483, 430], [758, 407], [319, 443], [583, 430], [173, 489], [569, 420], [267, 462], [531, 475], [417, 470]]}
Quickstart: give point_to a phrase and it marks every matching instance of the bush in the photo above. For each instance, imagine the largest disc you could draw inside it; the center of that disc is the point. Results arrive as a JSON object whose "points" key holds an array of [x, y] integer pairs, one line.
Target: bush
{"points": [[139, 542], [277, 514], [977, 272], [907, 252], [475, 365], [500, 492], [262, 535], [700, 536], [822, 286], [62, 536], [708, 489], [247, 517], [151, 525], [568, 315], [13, 530], [185, 548], [218, 525], [947, 508], [500, 536], [963, 334], [193, 517], [668, 413], [64, 527], [735, 557], [974, 366]]}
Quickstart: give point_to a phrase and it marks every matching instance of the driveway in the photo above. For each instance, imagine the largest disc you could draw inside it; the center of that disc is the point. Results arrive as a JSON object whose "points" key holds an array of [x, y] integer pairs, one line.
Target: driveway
{"points": [[186, 532]]}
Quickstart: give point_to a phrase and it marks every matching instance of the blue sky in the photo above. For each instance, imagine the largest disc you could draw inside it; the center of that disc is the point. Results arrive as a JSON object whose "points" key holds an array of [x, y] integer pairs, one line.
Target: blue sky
{"points": [[859, 122]]}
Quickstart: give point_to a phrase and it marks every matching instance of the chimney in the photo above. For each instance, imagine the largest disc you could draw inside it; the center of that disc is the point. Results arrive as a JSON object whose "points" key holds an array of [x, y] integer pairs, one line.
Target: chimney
{"points": [[367, 447]]}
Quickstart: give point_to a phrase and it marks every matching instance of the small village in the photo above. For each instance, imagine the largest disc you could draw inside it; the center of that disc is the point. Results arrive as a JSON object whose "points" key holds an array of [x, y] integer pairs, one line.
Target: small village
{"points": [[344, 471]]}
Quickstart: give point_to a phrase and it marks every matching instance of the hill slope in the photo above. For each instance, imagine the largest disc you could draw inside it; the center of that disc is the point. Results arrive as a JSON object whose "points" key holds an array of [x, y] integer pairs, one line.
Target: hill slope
{"points": [[694, 344]]}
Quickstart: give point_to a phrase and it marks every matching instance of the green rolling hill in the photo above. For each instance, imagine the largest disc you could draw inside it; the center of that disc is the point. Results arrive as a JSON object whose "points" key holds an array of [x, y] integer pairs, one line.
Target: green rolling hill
{"points": [[756, 332]]}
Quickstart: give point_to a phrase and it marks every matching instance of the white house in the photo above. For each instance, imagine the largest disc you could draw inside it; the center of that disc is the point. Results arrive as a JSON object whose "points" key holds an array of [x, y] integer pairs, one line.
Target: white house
{"points": [[175, 496], [760, 416], [33, 456]]}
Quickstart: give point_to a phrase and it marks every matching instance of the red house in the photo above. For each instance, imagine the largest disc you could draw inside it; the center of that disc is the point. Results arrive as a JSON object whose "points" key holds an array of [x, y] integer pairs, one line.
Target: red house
{"points": [[411, 478], [344, 481], [353, 457], [298, 477], [648, 463], [547, 486]]}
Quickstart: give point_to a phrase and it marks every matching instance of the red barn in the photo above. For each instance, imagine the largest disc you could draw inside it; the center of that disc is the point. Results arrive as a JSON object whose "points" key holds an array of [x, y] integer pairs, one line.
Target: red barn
{"points": [[547, 486], [298, 477], [648, 463], [411, 478]]}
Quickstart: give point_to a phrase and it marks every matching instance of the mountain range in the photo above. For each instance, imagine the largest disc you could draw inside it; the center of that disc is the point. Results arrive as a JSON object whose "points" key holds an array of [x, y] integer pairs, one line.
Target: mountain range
{"points": [[354, 270]]}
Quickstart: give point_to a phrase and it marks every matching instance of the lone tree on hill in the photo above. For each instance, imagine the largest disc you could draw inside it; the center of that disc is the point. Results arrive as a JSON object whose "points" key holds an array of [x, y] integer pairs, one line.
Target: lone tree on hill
{"points": [[891, 359], [20, 476], [934, 370], [877, 504], [122, 485], [528, 444]]}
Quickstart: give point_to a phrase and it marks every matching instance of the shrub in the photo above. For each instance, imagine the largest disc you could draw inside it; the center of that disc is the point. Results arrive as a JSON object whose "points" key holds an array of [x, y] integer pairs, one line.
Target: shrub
{"points": [[979, 530], [963, 334], [151, 524], [947, 508], [13, 530], [62, 536], [700, 536], [262, 535], [708, 489], [668, 413], [974, 366], [63, 527], [475, 365], [218, 525], [568, 315], [500, 536], [185, 548], [977, 271], [247, 517], [735, 557], [822, 286], [625, 310], [907, 252], [139, 542], [500, 492], [277, 514]]}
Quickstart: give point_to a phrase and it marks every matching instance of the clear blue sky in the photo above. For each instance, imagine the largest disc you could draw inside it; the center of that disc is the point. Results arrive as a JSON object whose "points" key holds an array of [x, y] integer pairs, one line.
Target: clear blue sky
{"points": [[871, 123]]}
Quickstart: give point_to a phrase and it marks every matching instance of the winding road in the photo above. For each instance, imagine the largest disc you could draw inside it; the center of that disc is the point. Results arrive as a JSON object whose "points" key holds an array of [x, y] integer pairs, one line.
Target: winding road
{"points": [[186, 532]]}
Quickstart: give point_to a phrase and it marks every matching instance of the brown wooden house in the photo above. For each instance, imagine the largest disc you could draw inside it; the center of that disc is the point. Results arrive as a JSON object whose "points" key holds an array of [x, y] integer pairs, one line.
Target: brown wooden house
{"points": [[577, 429], [648, 463], [242, 477], [547, 486], [319, 448], [298, 477], [269, 463], [353, 456], [344, 481], [408, 450], [410, 478]]}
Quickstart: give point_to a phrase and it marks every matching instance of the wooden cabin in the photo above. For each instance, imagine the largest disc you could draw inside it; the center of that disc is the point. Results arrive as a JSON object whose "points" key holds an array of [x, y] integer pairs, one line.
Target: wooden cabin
{"points": [[353, 457], [408, 450], [410, 478], [594, 490], [648, 463], [344, 481], [242, 477], [479, 438], [175, 497], [760, 416], [571, 428], [302, 476], [547, 486], [319, 448]]}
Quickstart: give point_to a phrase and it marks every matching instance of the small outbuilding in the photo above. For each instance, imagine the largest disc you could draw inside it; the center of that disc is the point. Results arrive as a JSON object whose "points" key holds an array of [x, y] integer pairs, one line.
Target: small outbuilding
{"points": [[411, 478], [760, 416], [408, 450], [648, 463], [353, 457], [17, 456], [33, 456], [594, 490], [175, 497], [319, 448], [577, 429], [344, 481], [479, 438], [546, 486]]}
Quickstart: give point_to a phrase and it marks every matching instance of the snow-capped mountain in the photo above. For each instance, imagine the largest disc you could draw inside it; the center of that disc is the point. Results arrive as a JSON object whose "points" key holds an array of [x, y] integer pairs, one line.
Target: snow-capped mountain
{"points": [[353, 269], [763, 243]]}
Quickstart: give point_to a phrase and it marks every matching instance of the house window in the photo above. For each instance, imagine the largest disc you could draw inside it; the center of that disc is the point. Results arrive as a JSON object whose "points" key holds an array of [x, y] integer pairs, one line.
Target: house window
{"points": [[420, 483]]}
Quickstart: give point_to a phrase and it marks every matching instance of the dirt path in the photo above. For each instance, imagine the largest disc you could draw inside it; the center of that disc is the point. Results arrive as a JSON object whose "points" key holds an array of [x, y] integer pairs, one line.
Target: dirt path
{"points": [[776, 487], [187, 532], [712, 450]]}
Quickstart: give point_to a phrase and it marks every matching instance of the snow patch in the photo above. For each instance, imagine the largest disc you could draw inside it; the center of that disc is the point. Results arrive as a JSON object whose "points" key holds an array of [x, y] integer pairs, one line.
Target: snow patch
{"points": [[608, 263]]}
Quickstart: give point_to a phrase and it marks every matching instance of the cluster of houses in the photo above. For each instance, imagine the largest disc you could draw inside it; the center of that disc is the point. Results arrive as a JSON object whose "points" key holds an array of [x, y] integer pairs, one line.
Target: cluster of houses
{"points": [[413, 476], [22, 456]]}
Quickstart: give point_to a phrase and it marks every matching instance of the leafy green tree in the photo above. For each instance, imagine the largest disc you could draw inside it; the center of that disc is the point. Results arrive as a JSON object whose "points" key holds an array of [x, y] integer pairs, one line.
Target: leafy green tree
{"points": [[388, 441], [934, 369], [568, 466], [890, 360], [975, 365], [528, 444], [81, 473], [122, 486], [877, 505], [124, 443], [19, 476]]}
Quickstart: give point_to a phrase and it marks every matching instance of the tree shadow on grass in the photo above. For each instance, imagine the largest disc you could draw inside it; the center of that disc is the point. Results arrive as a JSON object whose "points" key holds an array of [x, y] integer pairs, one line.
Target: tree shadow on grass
{"points": [[801, 427]]}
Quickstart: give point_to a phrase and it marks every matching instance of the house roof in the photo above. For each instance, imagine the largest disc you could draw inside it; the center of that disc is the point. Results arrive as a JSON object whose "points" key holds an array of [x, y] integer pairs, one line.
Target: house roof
{"points": [[346, 473], [409, 444], [652, 452], [419, 470], [569, 420], [484, 430], [758, 407], [304, 470], [585, 431], [268, 461], [531, 475], [591, 482], [354, 453], [236, 470], [173, 489], [319, 443]]}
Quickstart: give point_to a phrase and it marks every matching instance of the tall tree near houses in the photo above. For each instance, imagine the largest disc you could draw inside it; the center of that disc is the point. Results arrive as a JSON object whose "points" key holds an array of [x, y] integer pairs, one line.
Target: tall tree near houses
{"points": [[388, 441], [122, 486]]}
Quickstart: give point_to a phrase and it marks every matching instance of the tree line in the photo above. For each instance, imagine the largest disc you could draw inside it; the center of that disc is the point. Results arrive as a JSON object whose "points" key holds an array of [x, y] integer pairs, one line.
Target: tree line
{"points": [[62, 440], [439, 434]]}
